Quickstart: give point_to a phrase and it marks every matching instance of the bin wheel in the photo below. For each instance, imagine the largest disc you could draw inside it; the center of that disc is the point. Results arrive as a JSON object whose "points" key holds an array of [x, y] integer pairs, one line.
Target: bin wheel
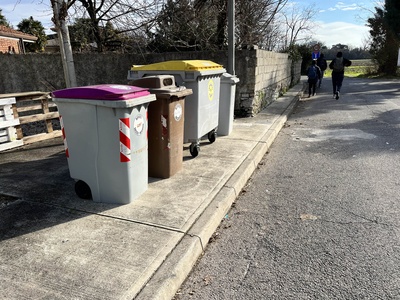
{"points": [[83, 190], [194, 149], [212, 136]]}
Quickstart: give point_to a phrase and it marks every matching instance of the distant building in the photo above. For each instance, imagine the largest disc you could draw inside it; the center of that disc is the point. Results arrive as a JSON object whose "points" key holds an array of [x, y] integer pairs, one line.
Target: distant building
{"points": [[52, 44], [12, 41]]}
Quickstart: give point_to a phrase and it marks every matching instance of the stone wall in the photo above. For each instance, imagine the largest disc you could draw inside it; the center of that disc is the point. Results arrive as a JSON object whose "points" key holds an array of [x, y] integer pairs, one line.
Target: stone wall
{"points": [[263, 75], [267, 76]]}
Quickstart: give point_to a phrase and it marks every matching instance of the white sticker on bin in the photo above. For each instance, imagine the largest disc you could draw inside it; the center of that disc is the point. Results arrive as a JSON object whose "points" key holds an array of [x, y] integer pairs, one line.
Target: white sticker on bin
{"points": [[138, 124], [178, 112]]}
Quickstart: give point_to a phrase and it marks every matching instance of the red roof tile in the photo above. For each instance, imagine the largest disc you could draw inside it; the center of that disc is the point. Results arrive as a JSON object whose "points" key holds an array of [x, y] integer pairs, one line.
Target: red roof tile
{"points": [[9, 32]]}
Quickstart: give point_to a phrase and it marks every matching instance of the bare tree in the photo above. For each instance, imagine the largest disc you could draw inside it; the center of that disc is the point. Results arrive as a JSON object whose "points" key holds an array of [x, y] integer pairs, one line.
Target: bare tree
{"points": [[217, 9], [181, 26], [297, 20], [201, 25], [273, 39], [255, 19], [124, 15]]}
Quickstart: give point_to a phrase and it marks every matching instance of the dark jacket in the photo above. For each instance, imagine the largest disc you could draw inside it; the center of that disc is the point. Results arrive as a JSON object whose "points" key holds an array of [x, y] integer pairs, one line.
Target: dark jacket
{"points": [[346, 63], [321, 63]]}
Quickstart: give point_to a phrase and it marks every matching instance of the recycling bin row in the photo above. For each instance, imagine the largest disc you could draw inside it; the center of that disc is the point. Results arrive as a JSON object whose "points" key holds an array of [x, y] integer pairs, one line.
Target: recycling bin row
{"points": [[116, 136], [109, 133], [209, 110]]}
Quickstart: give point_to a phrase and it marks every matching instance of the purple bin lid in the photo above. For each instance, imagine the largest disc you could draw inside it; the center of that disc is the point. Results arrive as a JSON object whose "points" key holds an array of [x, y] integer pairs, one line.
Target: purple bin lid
{"points": [[102, 92]]}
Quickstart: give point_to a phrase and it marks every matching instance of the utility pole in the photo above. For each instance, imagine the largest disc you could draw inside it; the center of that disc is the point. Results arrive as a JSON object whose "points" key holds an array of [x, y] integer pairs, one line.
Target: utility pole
{"points": [[231, 37]]}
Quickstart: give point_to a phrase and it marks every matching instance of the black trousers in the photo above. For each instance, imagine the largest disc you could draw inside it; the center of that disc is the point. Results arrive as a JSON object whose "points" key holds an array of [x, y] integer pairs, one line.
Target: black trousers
{"points": [[312, 85], [337, 81]]}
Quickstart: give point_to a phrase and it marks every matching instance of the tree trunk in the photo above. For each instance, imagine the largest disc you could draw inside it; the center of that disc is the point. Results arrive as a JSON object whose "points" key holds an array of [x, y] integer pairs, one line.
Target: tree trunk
{"points": [[60, 14]]}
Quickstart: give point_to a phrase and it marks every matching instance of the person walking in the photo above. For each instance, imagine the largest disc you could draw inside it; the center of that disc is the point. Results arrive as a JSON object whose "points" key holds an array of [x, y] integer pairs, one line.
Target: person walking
{"points": [[337, 66], [313, 74], [322, 64]]}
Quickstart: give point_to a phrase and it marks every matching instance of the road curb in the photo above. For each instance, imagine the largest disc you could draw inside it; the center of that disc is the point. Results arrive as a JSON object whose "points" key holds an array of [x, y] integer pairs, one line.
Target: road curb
{"points": [[169, 277]]}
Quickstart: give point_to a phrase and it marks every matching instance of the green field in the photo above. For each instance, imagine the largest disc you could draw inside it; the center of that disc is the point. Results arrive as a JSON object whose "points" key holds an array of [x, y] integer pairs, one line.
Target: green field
{"points": [[358, 68]]}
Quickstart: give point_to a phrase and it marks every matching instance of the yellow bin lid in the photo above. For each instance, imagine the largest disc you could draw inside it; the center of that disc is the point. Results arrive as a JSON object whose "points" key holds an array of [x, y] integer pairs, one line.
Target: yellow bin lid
{"points": [[180, 65]]}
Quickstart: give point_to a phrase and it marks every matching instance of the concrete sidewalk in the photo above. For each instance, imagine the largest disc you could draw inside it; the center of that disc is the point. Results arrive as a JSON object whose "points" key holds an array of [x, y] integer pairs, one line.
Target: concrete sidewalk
{"points": [[54, 245]]}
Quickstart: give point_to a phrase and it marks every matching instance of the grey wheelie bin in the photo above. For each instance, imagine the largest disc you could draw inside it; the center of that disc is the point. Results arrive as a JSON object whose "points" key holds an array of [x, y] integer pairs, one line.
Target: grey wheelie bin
{"points": [[166, 123], [202, 107], [227, 103], [105, 137]]}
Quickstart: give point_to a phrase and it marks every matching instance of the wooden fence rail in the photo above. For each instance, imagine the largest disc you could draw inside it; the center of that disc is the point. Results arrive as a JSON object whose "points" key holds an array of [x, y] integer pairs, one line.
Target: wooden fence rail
{"points": [[38, 118]]}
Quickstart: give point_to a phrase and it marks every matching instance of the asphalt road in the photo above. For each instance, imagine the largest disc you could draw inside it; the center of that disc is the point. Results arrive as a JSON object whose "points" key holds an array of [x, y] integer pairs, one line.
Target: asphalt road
{"points": [[319, 219]]}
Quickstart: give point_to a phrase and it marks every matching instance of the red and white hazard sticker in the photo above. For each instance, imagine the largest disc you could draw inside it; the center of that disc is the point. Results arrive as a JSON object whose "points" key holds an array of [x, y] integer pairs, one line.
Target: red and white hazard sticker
{"points": [[64, 137], [124, 139]]}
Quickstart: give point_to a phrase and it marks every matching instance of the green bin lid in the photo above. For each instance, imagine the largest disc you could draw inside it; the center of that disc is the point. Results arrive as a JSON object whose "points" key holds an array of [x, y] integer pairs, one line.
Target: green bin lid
{"points": [[180, 65]]}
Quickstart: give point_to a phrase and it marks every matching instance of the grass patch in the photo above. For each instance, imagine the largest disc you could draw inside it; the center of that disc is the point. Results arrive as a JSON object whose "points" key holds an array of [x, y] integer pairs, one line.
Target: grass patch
{"points": [[362, 68]]}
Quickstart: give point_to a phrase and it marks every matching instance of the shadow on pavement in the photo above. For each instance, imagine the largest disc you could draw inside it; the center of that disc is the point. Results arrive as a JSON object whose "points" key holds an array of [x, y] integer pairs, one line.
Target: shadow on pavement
{"points": [[37, 192]]}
